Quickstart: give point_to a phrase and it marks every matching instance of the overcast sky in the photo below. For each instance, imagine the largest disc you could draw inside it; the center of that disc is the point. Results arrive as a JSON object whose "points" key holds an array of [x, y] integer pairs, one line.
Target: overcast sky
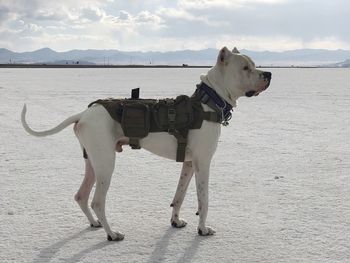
{"points": [[144, 25]]}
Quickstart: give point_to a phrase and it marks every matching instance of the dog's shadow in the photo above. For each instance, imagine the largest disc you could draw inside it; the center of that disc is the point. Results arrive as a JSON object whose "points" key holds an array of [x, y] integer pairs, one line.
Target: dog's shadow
{"points": [[158, 255], [48, 253], [161, 247]]}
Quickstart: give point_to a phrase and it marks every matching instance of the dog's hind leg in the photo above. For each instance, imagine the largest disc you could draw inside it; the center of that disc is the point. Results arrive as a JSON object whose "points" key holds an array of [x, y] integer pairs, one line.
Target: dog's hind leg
{"points": [[184, 181], [103, 164], [100, 149], [97, 134], [82, 196]]}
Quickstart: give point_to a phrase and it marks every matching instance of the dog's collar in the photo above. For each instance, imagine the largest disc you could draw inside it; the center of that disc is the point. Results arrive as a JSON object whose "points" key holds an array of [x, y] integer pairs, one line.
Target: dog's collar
{"points": [[209, 97]]}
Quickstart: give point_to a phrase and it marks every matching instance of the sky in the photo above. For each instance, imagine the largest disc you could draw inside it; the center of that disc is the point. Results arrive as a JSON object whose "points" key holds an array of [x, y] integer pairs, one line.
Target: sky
{"points": [[154, 25]]}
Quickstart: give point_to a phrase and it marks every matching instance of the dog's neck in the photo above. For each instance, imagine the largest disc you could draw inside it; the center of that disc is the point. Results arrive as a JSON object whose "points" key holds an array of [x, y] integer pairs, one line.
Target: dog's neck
{"points": [[216, 83]]}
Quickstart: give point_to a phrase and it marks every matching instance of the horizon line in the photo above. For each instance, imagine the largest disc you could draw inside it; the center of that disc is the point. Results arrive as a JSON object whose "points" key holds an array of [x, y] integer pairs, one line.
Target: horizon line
{"points": [[43, 65], [178, 50]]}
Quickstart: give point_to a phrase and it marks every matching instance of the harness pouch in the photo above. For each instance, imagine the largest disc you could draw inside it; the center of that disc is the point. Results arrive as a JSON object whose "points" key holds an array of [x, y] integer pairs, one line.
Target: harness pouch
{"points": [[180, 108], [135, 120]]}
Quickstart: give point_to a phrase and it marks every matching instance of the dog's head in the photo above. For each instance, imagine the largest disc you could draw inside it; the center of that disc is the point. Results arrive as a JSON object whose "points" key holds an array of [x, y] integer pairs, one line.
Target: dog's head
{"points": [[240, 75]]}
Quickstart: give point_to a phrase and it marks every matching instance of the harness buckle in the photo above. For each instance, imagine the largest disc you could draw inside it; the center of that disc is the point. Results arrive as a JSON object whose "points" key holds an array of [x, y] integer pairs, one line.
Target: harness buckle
{"points": [[134, 143], [181, 148], [205, 98], [171, 114], [225, 117]]}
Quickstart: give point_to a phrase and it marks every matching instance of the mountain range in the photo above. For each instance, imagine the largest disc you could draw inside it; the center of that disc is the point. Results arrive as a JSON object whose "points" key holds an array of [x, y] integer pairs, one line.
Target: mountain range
{"points": [[300, 57]]}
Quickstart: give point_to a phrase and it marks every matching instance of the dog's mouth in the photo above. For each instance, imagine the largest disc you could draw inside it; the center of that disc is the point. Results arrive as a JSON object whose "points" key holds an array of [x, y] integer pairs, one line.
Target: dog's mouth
{"points": [[252, 93]]}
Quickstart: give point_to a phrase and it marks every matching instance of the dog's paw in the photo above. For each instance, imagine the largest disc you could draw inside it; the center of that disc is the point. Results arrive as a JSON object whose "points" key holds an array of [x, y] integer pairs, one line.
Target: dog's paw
{"points": [[116, 236], [206, 231], [96, 224], [178, 223]]}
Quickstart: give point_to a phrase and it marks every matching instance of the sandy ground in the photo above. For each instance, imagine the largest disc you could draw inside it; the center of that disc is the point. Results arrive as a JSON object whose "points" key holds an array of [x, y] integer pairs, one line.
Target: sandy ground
{"points": [[279, 186]]}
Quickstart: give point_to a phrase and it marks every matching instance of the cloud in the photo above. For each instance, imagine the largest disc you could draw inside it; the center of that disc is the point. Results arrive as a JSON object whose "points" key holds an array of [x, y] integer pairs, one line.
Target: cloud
{"points": [[142, 17], [230, 4], [169, 25], [92, 13], [123, 15], [4, 14], [147, 17]]}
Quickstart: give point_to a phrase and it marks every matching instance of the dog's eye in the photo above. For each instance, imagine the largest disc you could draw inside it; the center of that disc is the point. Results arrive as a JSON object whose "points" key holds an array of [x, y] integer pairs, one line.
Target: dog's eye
{"points": [[246, 68]]}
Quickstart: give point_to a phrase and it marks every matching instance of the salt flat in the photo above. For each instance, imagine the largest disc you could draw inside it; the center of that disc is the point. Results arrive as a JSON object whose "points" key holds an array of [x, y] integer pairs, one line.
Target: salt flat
{"points": [[279, 185]]}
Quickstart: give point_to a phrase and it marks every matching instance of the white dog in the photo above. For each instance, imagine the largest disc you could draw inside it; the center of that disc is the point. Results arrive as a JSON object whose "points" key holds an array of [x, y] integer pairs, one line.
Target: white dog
{"points": [[233, 76]]}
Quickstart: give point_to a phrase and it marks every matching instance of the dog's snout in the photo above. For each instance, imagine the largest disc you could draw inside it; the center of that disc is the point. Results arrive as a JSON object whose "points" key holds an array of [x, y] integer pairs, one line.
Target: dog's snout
{"points": [[267, 75]]}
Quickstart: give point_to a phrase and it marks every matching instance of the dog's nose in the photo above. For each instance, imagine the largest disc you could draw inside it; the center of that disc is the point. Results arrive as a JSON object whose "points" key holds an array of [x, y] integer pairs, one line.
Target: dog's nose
{"points": [[267, 75]]}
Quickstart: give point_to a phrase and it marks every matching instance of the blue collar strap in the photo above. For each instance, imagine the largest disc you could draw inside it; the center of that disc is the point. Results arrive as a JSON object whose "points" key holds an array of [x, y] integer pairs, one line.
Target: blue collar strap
{"points": [[209, 97]]}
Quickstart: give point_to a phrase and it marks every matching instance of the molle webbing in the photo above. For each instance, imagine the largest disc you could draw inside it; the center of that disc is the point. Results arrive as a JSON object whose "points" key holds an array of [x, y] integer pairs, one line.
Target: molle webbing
{"points": [[176, 116], [159, 111]]}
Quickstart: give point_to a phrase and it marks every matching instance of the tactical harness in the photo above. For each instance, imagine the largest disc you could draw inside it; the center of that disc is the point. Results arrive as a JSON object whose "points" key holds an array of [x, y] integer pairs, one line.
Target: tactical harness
{"points": [[138, 117]]}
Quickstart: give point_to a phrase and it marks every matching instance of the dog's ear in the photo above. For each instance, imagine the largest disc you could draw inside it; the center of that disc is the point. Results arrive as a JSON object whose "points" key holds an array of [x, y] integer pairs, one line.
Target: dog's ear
{"points": [[223, 55], [235, 50]]}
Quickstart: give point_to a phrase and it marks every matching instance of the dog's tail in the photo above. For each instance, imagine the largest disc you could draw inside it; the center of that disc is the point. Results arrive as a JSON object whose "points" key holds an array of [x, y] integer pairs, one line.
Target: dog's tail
{"points": [[58, 128]]}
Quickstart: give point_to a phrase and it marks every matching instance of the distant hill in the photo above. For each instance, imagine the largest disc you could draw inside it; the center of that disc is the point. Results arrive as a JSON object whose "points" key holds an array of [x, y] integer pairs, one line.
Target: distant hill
{"points": [[300, 57], [344, 64]]}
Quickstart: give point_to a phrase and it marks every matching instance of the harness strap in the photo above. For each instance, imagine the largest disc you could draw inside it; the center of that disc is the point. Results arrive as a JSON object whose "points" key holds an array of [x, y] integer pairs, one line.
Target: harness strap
{"points": [[134, 143], [181, 146], [171, 115], [211, 116], [181, 137]]}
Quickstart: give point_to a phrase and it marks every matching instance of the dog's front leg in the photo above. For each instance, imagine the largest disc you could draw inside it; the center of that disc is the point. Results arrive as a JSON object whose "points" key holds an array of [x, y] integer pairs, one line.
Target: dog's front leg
{"points": [[185, 178], [202, 182]]}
